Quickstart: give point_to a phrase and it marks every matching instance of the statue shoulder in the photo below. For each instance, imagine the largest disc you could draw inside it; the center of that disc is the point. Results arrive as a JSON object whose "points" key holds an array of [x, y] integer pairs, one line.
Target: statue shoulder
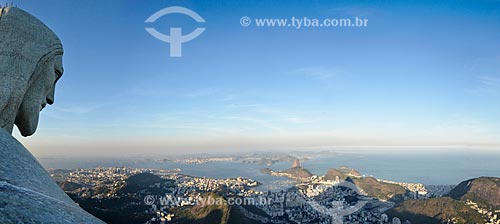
{"points": [[28, 194]]}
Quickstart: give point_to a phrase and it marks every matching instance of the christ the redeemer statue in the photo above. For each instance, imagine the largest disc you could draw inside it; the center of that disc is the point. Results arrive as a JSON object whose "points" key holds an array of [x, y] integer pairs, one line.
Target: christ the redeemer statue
{"points": [[30, 65]]}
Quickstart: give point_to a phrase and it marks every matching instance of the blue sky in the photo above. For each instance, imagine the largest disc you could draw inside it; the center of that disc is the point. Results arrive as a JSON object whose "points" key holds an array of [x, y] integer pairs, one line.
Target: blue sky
{"points": [[421, 74]]}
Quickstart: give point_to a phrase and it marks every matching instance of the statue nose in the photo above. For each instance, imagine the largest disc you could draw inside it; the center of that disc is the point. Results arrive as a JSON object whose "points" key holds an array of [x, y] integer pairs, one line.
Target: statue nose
{"points": [[50, 97]]}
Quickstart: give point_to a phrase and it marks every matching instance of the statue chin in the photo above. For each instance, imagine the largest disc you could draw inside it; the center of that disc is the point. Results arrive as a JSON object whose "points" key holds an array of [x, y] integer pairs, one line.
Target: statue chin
{"points": [[27, 121]]}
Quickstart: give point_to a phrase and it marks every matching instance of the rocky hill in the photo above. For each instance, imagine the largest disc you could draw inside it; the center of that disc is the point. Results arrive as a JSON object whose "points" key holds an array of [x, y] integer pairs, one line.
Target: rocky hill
{"points": [[482, 190], [436, 210], [380, 190], [216, 213], [342, 173], [69, 186], [332, 174], [297, 172], [127, 205], [143, 181]]}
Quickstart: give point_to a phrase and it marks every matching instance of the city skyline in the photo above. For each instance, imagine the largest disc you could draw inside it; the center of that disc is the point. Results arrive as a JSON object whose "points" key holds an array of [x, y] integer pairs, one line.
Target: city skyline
{"points": [[423, 75]]}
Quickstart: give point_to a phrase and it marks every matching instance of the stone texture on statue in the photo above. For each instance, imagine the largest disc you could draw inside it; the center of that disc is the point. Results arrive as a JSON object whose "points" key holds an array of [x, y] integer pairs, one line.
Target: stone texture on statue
{"points": [[30, 65], [28, 194]]}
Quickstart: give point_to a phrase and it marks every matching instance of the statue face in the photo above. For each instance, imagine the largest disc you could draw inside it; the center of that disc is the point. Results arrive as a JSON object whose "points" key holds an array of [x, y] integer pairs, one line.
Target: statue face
{"points": [[40, 93]]}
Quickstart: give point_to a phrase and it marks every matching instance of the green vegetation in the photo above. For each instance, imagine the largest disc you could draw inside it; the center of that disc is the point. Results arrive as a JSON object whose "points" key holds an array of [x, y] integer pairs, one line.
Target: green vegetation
{"points": [[483, 190], [128, 207], [143, 181], [380, 190], [342, 172], [122, 210], [332, 174], [213, 213], [69, 186], [298, 172], [436, 210]]}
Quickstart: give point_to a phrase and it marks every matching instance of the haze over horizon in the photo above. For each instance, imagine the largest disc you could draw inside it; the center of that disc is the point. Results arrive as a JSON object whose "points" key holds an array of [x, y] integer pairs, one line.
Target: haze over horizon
{"points": [[421, 75]]}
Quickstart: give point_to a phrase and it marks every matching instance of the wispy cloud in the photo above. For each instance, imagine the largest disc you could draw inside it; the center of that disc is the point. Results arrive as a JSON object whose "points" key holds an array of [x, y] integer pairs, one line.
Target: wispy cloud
{"points": [[201, 92], [81, 109], [64, 112], [232, 106], [298, 120], [352, 11], [205, 129], [487, 86], [460, 129], [228, 98], [490, 81], [149, 92], [276, 114], [263, 123], [320, 73]]}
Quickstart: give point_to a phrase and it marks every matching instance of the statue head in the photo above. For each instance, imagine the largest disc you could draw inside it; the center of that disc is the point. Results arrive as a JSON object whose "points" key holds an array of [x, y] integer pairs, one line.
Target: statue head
{"points": [[30, 65]]}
